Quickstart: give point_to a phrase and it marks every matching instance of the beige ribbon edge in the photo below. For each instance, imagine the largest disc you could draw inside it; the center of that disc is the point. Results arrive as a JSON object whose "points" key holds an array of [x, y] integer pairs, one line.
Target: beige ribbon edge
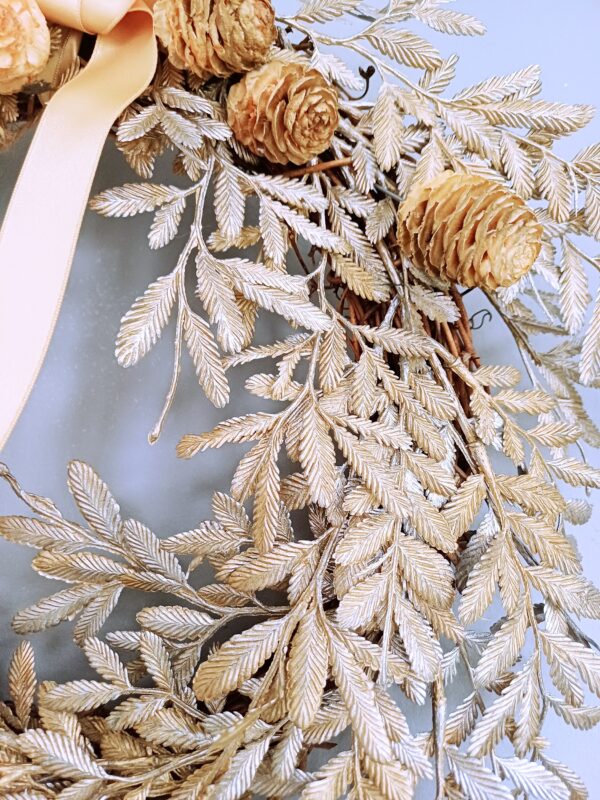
{"points": [[12, 407]]}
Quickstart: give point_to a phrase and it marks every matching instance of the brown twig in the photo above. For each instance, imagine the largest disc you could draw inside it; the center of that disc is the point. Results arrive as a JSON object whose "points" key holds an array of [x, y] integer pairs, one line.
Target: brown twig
{"points": [[322, 166], [450, 340], [465, 326]]}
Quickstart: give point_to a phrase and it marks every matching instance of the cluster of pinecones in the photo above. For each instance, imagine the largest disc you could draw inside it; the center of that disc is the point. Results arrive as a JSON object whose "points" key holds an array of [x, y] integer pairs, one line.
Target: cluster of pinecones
{"points": [[460, 227], [284, 112]]}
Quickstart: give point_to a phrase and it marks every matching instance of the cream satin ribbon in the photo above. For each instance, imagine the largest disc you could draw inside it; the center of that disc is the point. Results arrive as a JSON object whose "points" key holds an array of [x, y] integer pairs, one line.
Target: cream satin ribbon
{"points": [[41, 227]]}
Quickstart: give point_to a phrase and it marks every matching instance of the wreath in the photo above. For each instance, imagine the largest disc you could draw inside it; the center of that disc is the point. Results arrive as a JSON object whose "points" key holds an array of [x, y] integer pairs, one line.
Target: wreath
{"points": [[370, 533]]}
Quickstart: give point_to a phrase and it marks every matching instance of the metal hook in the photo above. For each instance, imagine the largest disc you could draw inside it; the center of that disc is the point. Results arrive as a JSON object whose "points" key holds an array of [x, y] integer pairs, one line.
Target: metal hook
{"points": [[484, 316], [366, 75]]}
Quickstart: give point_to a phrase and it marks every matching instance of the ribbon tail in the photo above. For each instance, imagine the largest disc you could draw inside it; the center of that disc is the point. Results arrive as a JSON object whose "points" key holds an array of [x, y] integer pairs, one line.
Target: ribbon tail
{"points": [[41, 226]]}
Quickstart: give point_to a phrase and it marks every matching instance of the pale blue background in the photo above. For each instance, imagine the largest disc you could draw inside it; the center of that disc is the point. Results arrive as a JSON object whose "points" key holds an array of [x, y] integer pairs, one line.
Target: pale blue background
{"points": [[85, 406]]}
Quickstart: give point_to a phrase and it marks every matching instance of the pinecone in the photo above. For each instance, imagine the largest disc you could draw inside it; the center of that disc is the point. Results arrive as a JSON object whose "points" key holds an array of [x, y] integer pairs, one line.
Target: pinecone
{"points": [[215, 37], [283, 112], [469, 230], [24, 44]]}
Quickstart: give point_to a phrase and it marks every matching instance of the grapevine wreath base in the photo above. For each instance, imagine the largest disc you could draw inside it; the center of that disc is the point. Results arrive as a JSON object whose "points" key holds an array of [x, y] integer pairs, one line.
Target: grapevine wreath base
{"points": [[366, 573]]}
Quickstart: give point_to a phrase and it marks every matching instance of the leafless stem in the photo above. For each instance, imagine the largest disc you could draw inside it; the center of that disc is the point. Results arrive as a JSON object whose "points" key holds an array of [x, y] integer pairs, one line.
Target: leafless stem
{"points": [[322, 166], [438, 701]]}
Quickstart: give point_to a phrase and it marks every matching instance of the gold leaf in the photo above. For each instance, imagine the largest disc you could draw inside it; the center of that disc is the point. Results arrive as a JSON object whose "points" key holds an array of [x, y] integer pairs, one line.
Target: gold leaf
{"points": [[576, 473], [403, 46], [22, 681], [532, 494], [518, 165], [531, 401], [157, 661], [503, 650], [574, 295], [106, 662], [60, 755], [242, 769], [358, 694], [490, 728], [365, 166], [505, 377], [229, 201], [266, 500], [253, 571], [387, 122], [147, 547], [472, 130], [81, 695], [364, 378], [533, 779], [363, 602], [380, 221], [306, 670], [236, 429], [435, 305], [364, 538], [368, 283], [423, 649], [554, 548], [477, 780], [461, 510], [142, 326], [582, 718], [165, 224], [204, 353], [175, 622], [324, 10], [215, 290], [54, 609], [450, 21], [317, 455], [94, 499], [273, 234], [529, 719], [331, 781], [236, 660], [554, 184], [590, 351], [432, 396], [429, 573], [333, 357], [132, 198]]}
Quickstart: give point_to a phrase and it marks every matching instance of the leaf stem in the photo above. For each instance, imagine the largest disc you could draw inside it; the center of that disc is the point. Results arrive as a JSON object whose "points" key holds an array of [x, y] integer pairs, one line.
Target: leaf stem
{"points": [[154, 435], [195, 240], [438, 703]]}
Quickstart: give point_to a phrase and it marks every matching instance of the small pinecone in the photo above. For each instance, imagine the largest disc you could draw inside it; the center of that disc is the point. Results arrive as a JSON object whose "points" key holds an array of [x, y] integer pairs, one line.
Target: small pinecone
{"points": [[283, 112], [469, 230], [215, 37], [24, 44]]}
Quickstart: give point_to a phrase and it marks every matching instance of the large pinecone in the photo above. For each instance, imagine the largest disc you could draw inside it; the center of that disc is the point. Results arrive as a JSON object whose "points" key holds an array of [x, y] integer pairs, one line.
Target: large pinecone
{"points": [[283, 112], [24, 44], [216, 37], [469, 230]]}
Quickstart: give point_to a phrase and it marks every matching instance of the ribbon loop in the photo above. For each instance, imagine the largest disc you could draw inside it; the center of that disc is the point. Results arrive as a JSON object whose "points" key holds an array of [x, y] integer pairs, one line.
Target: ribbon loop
{"points": [[88, 16], [41, 226]]}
